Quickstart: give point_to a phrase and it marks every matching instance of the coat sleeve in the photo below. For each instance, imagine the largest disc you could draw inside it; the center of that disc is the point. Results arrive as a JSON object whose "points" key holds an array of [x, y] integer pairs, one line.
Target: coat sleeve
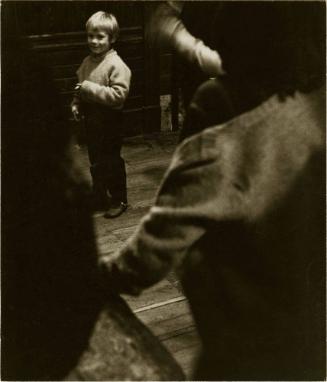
{"points": [[168, 29], [188, 200], [113, 95]]}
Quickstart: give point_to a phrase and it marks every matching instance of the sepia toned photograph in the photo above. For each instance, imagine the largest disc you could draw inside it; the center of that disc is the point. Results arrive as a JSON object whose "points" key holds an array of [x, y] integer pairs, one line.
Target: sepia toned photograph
{"points": [[163, 190]]}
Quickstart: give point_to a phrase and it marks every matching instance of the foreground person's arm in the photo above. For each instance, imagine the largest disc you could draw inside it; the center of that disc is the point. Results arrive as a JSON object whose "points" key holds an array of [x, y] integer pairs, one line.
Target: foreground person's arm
{"points": [[190, 197], [168, 29]]}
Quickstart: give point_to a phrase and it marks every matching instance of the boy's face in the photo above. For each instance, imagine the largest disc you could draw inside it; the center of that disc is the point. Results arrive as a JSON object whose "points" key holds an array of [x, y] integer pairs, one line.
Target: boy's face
{"points": [[98, 41]]}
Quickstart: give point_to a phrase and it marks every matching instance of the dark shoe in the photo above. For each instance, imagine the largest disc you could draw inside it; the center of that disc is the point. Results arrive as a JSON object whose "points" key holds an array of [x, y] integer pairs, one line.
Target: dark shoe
{"points": [[115, 210]]}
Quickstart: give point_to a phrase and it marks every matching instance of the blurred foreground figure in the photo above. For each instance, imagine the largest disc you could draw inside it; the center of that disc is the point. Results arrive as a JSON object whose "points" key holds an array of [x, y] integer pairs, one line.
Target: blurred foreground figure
{"points": [[241, 210], [56, 321]]}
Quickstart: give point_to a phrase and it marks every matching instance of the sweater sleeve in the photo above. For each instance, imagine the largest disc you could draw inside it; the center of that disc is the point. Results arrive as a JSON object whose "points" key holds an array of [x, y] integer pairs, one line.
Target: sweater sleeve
{"points": [[159, 243], [180, 216], [113, 95]]}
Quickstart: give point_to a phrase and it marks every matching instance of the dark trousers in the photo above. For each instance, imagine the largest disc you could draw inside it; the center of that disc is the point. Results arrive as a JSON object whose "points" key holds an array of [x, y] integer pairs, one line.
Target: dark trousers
{"points": [[104, 139]]}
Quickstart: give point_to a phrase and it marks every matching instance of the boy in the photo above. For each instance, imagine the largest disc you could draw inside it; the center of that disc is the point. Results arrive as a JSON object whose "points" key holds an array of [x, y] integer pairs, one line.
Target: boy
{"points": [[103, 86]]}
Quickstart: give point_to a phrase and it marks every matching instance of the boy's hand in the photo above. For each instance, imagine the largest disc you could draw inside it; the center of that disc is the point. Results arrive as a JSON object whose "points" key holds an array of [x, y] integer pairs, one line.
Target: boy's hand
{"points": [[76, 113]]}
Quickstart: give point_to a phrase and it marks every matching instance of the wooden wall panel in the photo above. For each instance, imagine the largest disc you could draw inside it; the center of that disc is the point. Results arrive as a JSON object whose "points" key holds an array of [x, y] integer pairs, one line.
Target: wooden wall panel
{"points": [[49, 17]]}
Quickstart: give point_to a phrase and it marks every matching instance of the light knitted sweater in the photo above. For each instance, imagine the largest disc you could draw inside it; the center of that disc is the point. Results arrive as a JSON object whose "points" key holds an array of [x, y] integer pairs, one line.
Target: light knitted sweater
{"points": [[104, 80]]}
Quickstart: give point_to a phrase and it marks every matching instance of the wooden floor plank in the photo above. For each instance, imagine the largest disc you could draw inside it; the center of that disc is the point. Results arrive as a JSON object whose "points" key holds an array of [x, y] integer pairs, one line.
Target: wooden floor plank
{"points": [[168, 318], [160, 292], [108, 244], [129, 219]]}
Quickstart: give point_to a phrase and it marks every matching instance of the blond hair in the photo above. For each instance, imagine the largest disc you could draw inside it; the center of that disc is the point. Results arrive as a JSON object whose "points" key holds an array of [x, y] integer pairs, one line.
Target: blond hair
{"points": [[106, 21]]}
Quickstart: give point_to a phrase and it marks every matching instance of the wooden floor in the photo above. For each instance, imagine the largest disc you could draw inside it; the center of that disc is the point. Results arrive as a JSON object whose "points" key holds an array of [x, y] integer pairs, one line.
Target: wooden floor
{"points": [[163, 308]]}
